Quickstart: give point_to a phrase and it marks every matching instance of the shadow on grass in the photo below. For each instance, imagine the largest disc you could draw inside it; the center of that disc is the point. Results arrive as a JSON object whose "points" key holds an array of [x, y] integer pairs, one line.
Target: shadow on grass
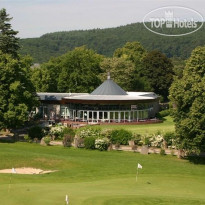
{"points": [[7, 139], [196, 159]]}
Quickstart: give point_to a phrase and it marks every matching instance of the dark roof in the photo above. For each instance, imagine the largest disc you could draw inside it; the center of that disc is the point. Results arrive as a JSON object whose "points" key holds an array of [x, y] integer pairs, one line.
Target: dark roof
{"points": [[109, 88]]}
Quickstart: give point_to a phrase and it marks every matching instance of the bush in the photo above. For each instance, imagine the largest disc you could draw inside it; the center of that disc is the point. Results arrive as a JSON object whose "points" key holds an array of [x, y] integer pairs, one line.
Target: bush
{"points": [[27, 138], [102, 144], [89, 142], [36, 132], [68, 131], [89, 132], [120, 136], [137, 139], [47, 140], [169, 137], [163, 113]]}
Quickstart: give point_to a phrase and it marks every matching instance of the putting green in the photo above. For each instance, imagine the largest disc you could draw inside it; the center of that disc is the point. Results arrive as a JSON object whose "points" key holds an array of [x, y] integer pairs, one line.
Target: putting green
{"points": [[98, 178]]}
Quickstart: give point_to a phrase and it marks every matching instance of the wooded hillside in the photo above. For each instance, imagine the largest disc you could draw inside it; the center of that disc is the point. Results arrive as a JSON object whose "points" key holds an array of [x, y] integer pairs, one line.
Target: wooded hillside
{"points": [[105, 41]]}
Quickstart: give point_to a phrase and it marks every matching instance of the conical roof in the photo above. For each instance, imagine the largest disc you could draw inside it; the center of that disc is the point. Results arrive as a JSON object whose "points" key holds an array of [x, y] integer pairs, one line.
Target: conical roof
{"points": [[109, 87]]}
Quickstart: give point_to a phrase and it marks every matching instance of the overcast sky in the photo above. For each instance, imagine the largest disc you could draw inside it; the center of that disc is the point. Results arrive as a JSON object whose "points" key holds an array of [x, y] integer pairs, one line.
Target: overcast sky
{"points": [[33, 18]]}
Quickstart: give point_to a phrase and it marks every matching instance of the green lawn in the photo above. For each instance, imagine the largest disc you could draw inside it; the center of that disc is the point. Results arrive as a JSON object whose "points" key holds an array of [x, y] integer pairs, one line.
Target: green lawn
{"points": [[96, 178], [166, 126]]}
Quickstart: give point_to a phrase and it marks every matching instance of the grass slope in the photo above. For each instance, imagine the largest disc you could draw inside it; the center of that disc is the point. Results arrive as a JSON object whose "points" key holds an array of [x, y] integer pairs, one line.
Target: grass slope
{"points": [[96, 178], [166, 126]]}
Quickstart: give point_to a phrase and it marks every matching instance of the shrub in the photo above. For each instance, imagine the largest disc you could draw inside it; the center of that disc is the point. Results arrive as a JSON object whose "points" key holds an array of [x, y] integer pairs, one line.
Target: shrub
{"points": [[163, 114], [162, 152], [120, 136], [68, 131], [47, 140], [36, 132], [102, 144], [27, 138], [67, 140], [169, 137], [137, 139], [56, 132], [156, 140], [89, 142], [89, 132]]}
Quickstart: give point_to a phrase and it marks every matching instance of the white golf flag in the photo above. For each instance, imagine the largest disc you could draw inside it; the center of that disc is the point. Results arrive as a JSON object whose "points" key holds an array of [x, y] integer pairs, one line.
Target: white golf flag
{"points": [[139, 166], [13, 171]]}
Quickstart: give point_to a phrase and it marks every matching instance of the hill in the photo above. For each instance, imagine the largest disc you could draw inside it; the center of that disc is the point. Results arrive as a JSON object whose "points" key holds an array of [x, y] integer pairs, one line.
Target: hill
{"points": [[105, 41]]}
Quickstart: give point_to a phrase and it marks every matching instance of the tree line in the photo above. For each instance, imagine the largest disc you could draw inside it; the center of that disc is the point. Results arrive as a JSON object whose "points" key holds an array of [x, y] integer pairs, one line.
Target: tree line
{"points": [[81, 70], [106, 41]]}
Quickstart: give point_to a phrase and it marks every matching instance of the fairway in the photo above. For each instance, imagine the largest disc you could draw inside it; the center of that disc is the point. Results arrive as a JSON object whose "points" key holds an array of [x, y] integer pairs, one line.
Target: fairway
{"points": [[94, 177], [166, 126]]}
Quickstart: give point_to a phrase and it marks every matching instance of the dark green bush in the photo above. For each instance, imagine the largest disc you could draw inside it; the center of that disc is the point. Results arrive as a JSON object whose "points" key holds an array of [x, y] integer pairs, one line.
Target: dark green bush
{"points": [[164, 113], [169, 137], [89, 142], [120, 136], [36, 132]]}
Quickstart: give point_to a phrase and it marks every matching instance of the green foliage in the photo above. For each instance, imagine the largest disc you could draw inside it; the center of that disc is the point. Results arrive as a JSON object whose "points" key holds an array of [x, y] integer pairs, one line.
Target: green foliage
{"points": [[169, 138], [120, 136], [47, 139], [102, 144], [36, 132], [122, 72], [188, 96], [134, 52], [158, 70], [164, 113], [17, 94], [106, 41], [9, 43], [27, 138], [89, 142], [89, 132], [75, 71]]}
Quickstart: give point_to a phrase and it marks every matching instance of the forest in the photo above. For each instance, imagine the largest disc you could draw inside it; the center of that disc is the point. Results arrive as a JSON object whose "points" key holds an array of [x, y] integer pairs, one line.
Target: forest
{"points": [[106, 41]]}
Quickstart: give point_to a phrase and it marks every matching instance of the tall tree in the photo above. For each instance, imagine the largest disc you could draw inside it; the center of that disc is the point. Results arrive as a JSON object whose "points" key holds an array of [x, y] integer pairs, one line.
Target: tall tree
{"points": [[188, 97], [134, 52], [123, 73], [9, 43], [17, 94], [158, 70], [80, 70]]}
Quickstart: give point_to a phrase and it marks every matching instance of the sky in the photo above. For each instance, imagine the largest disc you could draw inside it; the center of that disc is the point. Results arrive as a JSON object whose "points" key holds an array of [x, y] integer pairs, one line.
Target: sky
{"points": [[33, 18]]}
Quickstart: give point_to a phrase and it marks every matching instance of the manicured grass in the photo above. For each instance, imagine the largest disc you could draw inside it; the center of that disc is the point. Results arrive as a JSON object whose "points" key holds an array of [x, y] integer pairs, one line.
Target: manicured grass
{"points": [[96, 178], [166, 126]]}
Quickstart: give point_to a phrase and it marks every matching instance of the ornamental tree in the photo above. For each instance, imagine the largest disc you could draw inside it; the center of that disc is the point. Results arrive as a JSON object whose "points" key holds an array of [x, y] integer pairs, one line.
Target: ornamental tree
{"points": [[188, 97]]}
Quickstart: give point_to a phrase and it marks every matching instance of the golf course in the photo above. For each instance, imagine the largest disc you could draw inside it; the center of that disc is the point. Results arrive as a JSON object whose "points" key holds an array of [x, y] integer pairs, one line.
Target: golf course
{"points": [[94, 178]]}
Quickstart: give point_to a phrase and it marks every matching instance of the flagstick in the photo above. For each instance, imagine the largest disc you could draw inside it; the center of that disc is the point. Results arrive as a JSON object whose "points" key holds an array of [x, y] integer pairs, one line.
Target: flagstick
{"points": [[137, 174], [9, 184]]}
